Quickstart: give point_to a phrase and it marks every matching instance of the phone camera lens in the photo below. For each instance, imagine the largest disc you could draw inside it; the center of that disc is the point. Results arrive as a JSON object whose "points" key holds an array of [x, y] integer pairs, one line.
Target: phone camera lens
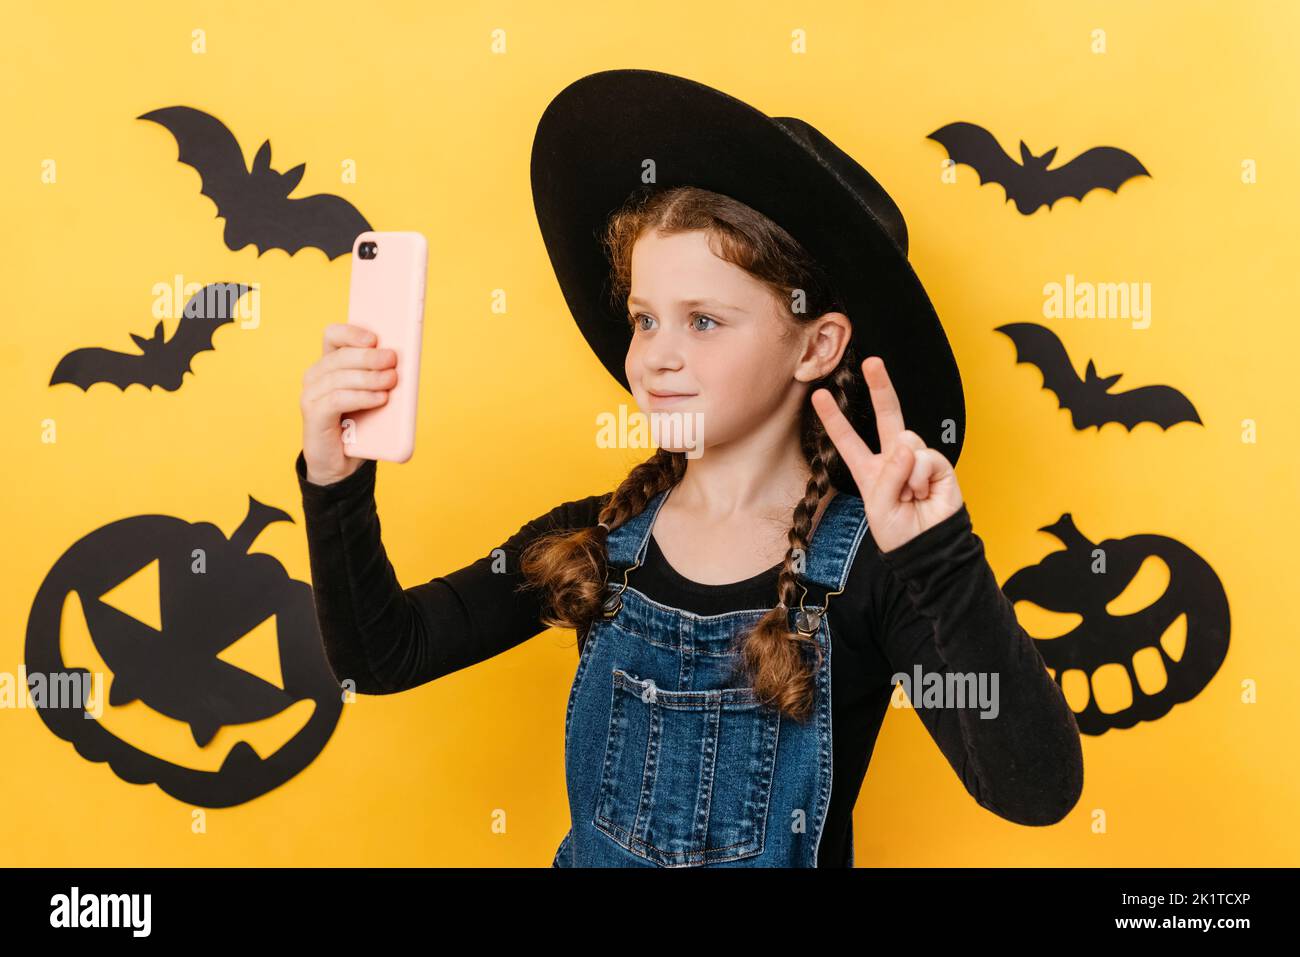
{"points": [[368, 250]]}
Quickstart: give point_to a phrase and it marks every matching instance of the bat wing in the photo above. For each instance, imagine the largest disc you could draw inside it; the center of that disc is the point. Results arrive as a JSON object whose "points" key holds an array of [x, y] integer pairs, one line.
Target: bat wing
{"points": [[85, 367], [159, 363], [206, 311], [210, 148], [1162, 404], [1102, 167], [325, 221], [977, 148], [1040, 347]]}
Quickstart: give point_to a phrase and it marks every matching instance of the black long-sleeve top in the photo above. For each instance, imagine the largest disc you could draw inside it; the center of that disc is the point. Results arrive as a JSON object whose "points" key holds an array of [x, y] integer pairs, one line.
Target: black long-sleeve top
{"points": [[932, 602]]}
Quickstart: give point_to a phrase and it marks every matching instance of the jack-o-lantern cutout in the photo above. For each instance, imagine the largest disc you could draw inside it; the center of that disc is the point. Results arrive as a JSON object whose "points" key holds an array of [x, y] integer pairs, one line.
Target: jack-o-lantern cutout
{"points": [[1128, 627], [218, 686]]}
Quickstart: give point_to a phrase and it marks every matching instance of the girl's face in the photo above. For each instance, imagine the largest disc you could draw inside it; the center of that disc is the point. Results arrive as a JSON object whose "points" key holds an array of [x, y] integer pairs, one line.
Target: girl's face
{"points": [[705, 329]]}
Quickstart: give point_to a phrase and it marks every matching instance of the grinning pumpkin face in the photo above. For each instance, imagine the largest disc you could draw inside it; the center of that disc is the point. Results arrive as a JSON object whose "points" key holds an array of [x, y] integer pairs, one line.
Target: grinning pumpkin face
{"points": [[218, 687], [1128, 627]]}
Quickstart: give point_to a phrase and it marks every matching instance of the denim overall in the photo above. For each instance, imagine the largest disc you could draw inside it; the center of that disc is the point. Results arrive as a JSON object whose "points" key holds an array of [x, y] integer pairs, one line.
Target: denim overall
{"points": [[670, 759]]}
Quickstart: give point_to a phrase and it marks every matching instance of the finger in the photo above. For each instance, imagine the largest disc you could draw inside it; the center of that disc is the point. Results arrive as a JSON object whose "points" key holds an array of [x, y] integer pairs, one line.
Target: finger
{"points": [[889, 412], [339, 334], [322, 413], [923, 469], [348, 400], [894, 470], [350, 357], [342, 401], [941, 468], [917, 444], [857, 456], [359, 357], [333, 380]]}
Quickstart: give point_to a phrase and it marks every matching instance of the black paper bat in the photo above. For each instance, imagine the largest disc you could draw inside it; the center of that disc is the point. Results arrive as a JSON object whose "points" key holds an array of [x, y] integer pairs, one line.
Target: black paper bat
{"points": [[1088, 399], [255, 203], [1030, 183], [158, 363]]}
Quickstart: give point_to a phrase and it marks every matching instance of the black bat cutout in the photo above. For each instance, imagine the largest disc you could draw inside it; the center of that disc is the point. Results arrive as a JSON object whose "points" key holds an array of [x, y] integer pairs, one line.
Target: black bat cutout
{"points": [[1088, 399], [159, 362], [255, 202], [1030, 183]]}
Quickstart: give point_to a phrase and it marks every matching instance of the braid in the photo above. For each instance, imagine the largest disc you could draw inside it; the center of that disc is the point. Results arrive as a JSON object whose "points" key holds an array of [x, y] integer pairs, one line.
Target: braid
{"points": [[774, 654], [662, 470], [570, 565]]}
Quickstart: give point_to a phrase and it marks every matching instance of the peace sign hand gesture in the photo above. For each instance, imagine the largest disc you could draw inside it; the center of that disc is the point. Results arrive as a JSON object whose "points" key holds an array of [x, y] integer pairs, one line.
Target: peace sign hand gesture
{"points": [[906, 487]]}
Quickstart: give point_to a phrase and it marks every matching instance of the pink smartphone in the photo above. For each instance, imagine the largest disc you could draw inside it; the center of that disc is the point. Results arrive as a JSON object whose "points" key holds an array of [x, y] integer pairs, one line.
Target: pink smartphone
{"points": [[387, 297]]}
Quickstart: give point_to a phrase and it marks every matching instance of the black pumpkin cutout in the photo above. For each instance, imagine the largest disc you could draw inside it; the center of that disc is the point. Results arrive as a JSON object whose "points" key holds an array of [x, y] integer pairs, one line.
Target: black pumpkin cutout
{"points": [[176, 669], [1064, 581]]}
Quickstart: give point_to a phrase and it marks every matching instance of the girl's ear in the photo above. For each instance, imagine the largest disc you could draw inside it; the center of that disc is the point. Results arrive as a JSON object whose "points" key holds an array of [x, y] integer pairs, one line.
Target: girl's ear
{"points": [[826, 338]]}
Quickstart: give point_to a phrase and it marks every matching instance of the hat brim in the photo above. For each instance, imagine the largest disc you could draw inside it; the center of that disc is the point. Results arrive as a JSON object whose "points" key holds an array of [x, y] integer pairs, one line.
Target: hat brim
{"points": [[587, 158]]}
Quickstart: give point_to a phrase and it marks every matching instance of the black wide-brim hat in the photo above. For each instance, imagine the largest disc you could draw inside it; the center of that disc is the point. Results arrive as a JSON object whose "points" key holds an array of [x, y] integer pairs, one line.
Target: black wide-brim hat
{"points": [[588, 155]]}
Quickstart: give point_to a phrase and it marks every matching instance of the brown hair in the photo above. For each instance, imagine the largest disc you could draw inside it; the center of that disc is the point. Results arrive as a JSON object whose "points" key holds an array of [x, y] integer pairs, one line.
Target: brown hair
{"points": [[570, 566]]}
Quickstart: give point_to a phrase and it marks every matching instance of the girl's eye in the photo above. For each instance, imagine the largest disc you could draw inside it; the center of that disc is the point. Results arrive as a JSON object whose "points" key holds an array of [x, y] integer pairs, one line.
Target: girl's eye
{"points": [[634, 320]]}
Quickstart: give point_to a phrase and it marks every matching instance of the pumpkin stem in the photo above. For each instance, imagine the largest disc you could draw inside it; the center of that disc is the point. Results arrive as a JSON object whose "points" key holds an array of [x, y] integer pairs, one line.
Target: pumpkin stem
{"points": [[259, 516], [1068, 533]]}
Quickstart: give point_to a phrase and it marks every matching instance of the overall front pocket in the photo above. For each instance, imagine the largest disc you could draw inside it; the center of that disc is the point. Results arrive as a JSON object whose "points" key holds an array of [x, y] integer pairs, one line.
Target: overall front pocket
{"points": [[687, 776]]}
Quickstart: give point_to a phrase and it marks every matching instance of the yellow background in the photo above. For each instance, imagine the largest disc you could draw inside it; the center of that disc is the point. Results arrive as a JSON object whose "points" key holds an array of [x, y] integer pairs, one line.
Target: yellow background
{"points": [[440, 128]]}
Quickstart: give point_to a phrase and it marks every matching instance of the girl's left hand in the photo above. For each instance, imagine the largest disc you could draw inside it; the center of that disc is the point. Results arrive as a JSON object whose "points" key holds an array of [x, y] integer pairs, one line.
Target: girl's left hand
{"points": [[906, 487]]}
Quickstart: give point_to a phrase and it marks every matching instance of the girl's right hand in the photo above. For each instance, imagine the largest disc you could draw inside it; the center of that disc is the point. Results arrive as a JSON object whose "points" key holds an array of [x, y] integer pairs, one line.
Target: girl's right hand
{"points": [[351, 374]]}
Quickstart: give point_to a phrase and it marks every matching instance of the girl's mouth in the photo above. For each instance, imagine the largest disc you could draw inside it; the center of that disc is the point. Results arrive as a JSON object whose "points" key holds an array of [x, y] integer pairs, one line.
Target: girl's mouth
{"points": [[670, 398]]}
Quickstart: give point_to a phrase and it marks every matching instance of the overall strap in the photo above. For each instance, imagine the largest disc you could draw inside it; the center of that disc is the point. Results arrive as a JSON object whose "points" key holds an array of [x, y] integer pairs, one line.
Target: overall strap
{"points": [[626, 545], [834, 545]]}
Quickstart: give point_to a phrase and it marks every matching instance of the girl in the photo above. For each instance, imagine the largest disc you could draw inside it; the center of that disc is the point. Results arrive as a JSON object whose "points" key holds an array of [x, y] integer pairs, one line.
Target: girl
{"points": [[713, 588]]}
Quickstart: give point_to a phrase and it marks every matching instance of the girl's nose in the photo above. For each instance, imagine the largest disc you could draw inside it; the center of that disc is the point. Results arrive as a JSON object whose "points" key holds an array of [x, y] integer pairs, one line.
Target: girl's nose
{"points": [[663, 353]]}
